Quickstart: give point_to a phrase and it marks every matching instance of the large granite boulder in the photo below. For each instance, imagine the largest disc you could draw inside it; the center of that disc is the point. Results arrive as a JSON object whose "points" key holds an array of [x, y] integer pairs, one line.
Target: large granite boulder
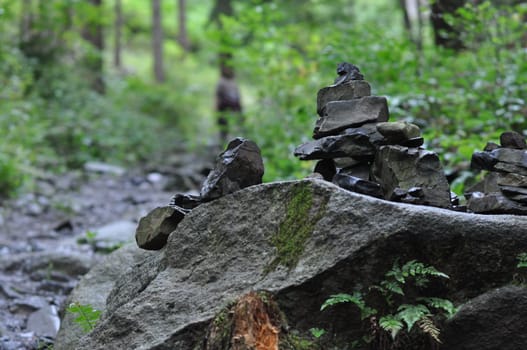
{"points": [[301, 241], [494, 320]]}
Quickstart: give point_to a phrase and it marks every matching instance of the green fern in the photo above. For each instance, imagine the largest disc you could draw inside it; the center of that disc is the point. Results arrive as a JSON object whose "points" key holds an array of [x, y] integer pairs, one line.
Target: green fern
{"points": [[355, 298], [410, 314], [87, 316], [441, 304], [522, 260], [391, 324]]}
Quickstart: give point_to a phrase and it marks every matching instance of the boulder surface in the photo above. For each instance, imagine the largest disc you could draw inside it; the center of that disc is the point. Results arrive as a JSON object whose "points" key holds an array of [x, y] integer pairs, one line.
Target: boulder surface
{"points": [[301, 241]]}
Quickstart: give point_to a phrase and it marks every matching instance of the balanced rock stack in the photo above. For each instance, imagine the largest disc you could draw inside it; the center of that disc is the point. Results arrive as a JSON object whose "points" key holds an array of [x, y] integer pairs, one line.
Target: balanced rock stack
{"points": [[504, 188], [361, 151]]}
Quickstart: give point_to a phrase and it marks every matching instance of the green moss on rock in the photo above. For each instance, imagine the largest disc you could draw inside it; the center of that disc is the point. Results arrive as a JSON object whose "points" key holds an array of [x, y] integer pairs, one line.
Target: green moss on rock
{"points": [[302, 214]]}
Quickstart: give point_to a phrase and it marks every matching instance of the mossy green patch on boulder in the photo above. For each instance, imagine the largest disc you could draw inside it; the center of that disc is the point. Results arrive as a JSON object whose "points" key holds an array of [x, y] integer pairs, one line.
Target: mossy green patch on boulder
{"points": [[302, 214]]}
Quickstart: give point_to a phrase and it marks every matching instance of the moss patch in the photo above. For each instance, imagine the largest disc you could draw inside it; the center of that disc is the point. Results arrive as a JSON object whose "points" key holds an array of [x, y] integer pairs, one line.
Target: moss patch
{"points": [[302, 214]]}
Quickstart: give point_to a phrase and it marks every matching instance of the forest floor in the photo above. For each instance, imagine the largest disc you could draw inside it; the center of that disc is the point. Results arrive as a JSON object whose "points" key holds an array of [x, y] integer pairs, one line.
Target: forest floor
{"points": [[51, 237]]}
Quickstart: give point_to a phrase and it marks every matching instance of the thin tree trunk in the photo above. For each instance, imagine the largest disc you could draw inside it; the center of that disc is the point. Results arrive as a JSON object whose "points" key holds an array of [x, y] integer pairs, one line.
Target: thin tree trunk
{"points": [[118, 24], [93, 34], [406, 17], [157, 41], [25, 20], [444, 34], [182, 23]]}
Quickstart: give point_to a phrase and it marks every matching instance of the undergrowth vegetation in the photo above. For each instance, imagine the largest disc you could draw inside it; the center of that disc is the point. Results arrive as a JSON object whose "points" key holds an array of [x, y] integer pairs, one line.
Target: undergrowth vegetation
{"points": [[282, 53]]}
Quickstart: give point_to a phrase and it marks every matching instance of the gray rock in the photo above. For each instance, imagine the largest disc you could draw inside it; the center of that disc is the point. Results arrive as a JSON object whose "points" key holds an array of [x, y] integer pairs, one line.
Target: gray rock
{"points": [[358, 185], [397, 132], [154, 228], [348, 91], [340, 115], [343, 241], [494, 320], [114, 234], [505, 160], [360, 170], [185, 201], [239, 166], [370, 130], [44, 322], [350, 145], [489, 184], [491, 146], [103, 168], [94, 288], [404, 168], [512, 139], [413, 142], [494, 203], [512, 180]]}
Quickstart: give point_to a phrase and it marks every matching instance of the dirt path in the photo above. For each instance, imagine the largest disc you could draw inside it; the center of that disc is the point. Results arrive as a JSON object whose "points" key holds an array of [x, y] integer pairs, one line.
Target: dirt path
{"points": [[51, 237]]}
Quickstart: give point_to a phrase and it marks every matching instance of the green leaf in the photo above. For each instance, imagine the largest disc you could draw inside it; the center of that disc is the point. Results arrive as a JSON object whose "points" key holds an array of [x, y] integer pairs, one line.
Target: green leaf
{"points": [[392, 324], [522, 260], [355, 298], [87, 316], [410, 314], [439, 303], [317, 332]]}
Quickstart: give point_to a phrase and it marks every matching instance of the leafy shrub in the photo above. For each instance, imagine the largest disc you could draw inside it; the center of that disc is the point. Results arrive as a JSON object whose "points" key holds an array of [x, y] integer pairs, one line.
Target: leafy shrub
{"points": [[400, 311]]}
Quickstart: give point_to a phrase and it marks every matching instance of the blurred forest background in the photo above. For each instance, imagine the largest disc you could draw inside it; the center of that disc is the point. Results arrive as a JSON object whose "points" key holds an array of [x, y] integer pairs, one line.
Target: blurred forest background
{"points": [[129, 81]]}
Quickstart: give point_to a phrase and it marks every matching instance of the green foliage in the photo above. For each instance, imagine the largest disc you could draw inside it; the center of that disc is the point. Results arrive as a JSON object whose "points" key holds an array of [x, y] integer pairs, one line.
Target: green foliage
{"points": [[401, 311], [87, 316], [522, 260], [317, 332]]}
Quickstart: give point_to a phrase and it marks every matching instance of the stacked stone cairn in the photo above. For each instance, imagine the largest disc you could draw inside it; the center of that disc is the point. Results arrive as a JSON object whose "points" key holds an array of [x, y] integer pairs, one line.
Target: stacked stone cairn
{"points": [[359, 150], [239, 166], [504, 188]]}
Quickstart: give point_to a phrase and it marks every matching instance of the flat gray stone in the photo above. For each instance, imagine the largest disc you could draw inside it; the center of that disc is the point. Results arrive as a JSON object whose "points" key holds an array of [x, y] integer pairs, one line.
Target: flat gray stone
{"points": [[340, 115], [154, 228], [45, 322], [350, 145], [494, 203], [348, 91], [512, 180], [506, 160], [114, 234], [397, 132]]}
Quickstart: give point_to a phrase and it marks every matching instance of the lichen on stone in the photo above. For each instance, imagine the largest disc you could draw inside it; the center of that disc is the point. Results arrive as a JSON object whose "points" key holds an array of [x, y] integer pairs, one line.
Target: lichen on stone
{"points": [[302, 214]]}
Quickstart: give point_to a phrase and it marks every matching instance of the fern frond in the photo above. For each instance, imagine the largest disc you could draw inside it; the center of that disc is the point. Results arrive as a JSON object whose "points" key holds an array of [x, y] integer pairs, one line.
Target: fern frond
{"points": [[392, 324], [442, 304], [426, 324]]}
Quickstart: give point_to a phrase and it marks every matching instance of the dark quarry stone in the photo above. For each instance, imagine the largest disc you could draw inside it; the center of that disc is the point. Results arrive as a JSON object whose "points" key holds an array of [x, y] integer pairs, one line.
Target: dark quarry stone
{"points": [[348, 145], [489, 184], [326, 168], [494, 203], [239, 166], [512, 139], [349, 91], [413, 142], [340, 115], [347, 72], [185, 201], [397, 132], [360, 170], [515, 180], [167, 299], [370, 130], [154, 228], [491, 321], [491, 146], [504, 160], [358, 185], [405, 168]]}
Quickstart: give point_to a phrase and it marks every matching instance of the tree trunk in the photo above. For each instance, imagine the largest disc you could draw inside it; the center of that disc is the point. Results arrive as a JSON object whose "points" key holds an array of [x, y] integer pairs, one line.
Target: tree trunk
{"points": [[157, 41], [444, 34], [26, 20], [118, 25], [93, 34], [406, 17], [182, 23]]}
